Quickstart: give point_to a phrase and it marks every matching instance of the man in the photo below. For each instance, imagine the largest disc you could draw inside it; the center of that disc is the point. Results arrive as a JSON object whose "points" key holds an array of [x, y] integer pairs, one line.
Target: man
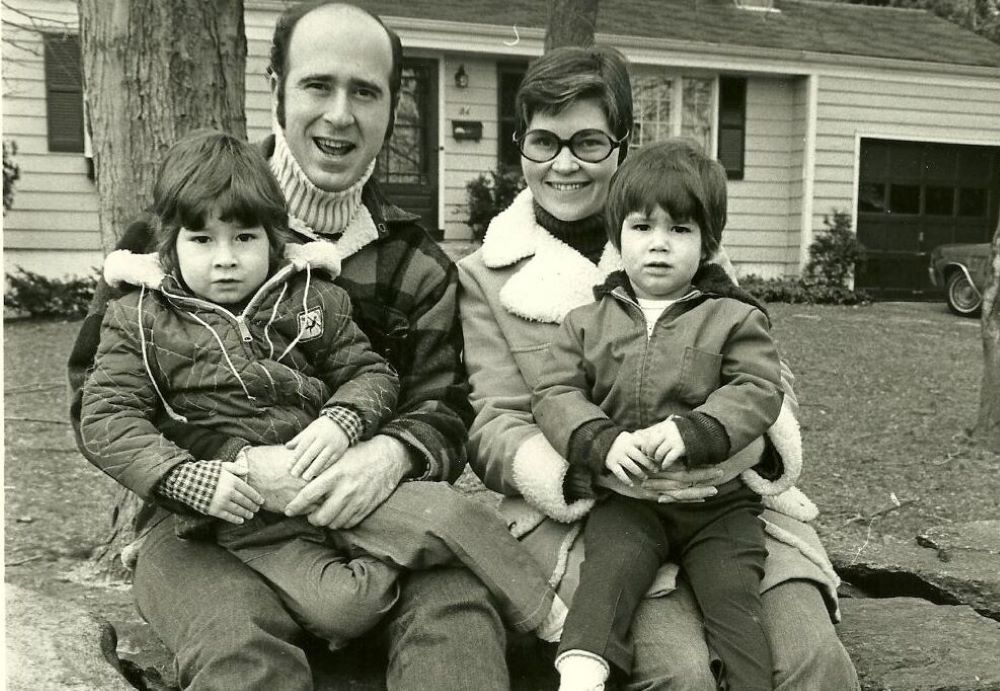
{"points": [[335, 78]]}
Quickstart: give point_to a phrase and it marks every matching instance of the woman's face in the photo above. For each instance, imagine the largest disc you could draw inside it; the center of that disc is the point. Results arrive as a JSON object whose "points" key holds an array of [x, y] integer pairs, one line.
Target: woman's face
{"points": [[566, 187]]}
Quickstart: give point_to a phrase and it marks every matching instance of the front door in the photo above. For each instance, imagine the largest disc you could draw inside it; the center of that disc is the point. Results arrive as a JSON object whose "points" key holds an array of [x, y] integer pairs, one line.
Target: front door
{"points": [[914, 196], [408, 165]]}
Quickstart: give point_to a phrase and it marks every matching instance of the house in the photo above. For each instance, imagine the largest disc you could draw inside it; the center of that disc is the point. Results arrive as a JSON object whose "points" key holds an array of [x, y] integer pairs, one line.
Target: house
{"points": [[892, 115]]}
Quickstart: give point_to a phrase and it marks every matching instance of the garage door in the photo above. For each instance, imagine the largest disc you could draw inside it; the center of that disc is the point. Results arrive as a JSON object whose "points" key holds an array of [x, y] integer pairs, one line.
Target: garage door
{"points": [[914, 196]]}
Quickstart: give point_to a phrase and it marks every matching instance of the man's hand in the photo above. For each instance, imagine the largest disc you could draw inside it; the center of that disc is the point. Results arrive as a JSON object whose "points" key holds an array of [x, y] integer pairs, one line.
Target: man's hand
{"points": [[625, 458], [268, 474], [317, 447], [364, 477], [234, 500]]}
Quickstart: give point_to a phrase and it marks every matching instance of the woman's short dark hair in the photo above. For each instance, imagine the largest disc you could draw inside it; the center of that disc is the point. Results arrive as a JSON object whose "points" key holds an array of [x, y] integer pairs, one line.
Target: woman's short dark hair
{"points": [[677, 176], [209, 172], [564, 76], [278, 65]]}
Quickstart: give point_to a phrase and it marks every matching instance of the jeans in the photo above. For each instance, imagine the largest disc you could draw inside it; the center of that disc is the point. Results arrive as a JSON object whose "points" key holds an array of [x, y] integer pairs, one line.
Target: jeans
{"points": [[671, 653], [720, 546], [228, 630]]}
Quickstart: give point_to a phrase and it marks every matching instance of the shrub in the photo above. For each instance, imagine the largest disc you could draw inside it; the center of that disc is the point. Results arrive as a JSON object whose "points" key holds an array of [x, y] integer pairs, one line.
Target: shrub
{"points": [[835, 251], [11, 174], [39, 296], [489, 194], [802, 291]]}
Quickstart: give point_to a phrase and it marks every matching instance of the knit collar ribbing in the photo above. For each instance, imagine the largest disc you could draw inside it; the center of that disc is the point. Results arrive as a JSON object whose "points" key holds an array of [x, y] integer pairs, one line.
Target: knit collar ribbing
{"points": [[326, 213], [585, 235]]}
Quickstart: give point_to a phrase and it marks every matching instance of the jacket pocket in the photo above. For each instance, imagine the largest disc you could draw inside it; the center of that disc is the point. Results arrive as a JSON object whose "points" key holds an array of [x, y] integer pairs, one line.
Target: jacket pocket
{"points": [[699, 376], [386, 327]]}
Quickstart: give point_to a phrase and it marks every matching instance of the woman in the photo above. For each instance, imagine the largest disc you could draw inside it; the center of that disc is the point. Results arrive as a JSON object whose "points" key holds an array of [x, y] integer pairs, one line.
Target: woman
{"points": [[540, 258]]}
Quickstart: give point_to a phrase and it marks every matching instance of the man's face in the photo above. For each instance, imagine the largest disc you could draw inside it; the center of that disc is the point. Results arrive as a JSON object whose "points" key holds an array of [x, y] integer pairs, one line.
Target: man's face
{"points": [[336, 94]]}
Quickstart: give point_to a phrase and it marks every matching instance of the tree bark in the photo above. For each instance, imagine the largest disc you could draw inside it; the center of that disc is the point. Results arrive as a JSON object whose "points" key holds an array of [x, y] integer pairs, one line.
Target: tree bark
{"points": [[571, 23], [153, 71], [988, 425]]}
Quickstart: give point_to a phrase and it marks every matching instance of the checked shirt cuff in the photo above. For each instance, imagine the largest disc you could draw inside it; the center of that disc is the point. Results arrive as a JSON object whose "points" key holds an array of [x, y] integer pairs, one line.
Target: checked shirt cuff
{"points": [[349, 421], [192, 484]]}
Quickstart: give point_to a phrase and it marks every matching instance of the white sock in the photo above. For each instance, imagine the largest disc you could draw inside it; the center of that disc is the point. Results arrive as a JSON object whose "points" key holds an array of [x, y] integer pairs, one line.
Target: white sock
{"points": [[581, 670], [551, 628]]}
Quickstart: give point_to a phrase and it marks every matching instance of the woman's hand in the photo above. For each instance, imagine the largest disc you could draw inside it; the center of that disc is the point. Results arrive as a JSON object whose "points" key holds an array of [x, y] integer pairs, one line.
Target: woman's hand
{"points": [[675, 485]]}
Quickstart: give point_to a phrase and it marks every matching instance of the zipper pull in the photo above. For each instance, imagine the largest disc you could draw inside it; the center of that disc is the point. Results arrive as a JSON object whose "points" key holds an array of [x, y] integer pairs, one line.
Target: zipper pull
{"points": [[244, 329]]}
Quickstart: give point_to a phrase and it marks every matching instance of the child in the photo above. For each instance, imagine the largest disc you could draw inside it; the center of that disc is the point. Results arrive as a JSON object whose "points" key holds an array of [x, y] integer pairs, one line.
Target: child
{"points": [[223, 334], [703, 368]]}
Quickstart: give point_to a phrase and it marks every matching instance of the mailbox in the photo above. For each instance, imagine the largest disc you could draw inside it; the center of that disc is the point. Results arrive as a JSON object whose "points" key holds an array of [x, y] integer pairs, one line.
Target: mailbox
{"points": [[467, 130]]}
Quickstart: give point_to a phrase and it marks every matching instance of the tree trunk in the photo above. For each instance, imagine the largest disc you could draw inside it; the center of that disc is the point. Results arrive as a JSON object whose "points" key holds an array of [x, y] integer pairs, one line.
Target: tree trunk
{"points": [[571, 23], [153, 71], [988, 425]]}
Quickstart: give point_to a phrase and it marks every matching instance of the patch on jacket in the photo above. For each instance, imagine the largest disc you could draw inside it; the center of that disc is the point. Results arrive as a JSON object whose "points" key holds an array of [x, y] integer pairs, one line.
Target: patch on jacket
{"points": [[310, 324]]}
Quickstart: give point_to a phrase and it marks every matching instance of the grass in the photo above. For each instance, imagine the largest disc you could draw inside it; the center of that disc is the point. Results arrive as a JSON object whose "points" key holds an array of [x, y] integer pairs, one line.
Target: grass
{"points": [[887, 394]]}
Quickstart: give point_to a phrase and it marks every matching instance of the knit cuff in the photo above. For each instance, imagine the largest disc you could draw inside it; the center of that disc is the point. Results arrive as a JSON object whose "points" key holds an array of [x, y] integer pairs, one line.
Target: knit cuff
{"points": [[705, 439], [590, 443], [348, 420], [193, 484], [578, 484]]}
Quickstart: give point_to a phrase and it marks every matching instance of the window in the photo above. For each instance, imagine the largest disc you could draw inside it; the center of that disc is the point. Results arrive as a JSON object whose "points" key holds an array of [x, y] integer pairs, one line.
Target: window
{"points": [[64, 92], [404, 160], [509, 78], [669, 105], [732, 124]]}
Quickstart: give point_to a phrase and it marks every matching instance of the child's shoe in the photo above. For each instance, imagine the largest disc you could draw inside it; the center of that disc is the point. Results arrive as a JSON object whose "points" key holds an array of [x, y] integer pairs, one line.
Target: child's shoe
{"points": [[580, 670]]}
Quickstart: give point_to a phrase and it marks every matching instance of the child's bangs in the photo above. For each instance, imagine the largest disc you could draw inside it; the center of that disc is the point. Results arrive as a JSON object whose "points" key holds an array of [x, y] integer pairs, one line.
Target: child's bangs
{"points": [[671, 190]]}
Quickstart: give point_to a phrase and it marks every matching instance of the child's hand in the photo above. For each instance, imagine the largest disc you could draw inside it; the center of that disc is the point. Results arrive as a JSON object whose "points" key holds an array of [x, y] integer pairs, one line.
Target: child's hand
{"points": [[317, 447], [626, 458], [663, 443], [234, 500]]}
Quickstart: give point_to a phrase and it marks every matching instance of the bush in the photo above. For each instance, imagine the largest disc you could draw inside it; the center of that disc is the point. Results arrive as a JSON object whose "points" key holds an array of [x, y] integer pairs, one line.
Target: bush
{"points": [[39, 296], [489, 194], [802, 291], [835, 252]]}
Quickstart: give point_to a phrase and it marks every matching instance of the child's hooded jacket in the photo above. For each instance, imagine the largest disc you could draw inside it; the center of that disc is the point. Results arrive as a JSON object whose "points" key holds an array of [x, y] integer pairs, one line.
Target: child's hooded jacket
{"points": [[261, 375]]}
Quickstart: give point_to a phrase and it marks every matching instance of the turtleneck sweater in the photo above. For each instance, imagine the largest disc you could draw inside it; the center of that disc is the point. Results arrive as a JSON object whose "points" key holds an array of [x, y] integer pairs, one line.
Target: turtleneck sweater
{"points": [[586, 235], [326, 213]]}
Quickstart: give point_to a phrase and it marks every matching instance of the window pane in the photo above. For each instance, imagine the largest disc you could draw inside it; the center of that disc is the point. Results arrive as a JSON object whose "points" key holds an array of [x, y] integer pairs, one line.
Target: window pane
{"points": [[651, 106], [972, 201], [939, 201], [872, 197], [904, 199], [403, 160], [696, 119]]}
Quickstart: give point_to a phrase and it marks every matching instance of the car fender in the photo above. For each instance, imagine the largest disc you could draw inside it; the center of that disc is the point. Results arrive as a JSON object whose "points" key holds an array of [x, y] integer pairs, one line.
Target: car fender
{"points": [[961, 267]]}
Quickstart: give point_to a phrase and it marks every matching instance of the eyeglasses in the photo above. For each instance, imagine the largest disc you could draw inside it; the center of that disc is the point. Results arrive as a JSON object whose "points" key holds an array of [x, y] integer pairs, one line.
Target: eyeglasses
{"points": [[591, 146]]}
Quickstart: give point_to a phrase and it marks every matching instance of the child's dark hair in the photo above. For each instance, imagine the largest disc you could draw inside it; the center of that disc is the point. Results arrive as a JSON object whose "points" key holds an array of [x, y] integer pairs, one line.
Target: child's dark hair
{"points": [[677, 176], [209, 172]]}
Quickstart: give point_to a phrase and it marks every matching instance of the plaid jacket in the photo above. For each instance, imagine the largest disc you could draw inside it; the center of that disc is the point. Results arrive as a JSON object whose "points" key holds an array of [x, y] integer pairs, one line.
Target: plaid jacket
{"points": [[403, 291]]}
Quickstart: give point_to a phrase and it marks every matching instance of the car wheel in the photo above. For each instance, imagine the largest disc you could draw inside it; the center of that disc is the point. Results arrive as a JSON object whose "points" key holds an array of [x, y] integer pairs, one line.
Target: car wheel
{"points": [[963, 298]]}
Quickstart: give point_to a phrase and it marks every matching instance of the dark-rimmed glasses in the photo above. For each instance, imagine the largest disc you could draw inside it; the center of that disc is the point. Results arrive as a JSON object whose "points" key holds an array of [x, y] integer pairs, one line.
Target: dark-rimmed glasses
{"points": [[591, 146]]}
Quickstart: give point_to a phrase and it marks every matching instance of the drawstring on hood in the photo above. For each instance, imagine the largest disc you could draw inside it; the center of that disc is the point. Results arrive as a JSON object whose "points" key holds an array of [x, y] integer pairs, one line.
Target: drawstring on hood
{"points": [[305, 308]]}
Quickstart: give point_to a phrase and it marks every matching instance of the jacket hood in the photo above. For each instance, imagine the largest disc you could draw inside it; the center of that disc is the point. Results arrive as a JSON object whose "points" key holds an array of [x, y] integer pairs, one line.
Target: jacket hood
{"points": [[145, 270]]}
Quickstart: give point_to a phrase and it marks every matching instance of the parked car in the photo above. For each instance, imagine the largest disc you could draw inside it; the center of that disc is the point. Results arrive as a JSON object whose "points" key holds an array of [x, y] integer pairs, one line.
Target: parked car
{"points": [[961, 269]]}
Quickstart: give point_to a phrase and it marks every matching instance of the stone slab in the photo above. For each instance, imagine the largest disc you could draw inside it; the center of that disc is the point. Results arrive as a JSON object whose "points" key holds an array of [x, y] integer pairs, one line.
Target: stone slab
{"points": [[907, 644], [51, 644], [975, 536], [951, 576]]}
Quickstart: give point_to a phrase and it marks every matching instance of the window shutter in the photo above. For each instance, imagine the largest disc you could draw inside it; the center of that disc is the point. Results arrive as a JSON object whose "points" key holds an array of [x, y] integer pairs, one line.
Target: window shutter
{"points": [[64, 92], [732, 125]]}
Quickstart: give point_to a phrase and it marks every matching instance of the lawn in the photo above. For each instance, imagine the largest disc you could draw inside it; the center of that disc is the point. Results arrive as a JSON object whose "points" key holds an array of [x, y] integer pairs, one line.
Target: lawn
{"points": [[887, 394]]}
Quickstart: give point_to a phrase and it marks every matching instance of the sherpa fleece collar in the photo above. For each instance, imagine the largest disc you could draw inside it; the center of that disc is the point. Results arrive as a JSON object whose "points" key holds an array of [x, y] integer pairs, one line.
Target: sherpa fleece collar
{"points": [[124, 267], [555, 279]]}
